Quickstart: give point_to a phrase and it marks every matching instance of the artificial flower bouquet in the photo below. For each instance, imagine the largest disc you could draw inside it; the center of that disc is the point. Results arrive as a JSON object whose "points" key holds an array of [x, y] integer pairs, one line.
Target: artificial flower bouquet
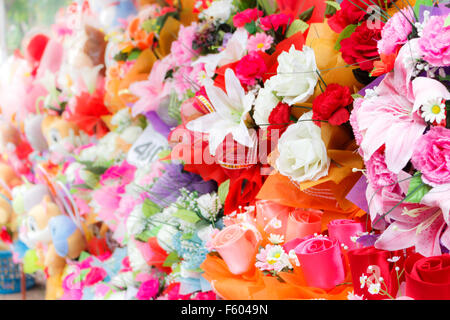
{"points": [[225, 149]]}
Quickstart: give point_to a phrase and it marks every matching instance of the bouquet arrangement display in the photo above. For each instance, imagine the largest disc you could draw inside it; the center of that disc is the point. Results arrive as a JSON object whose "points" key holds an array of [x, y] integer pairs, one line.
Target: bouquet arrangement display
{"points": [[231, 149]]}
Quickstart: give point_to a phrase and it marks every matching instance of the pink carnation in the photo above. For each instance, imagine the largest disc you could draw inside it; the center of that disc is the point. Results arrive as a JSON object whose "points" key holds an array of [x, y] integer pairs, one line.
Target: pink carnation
{"points": [[250, 68], [259, 42], [275, 21], [181, 49], [395, 32], [246, 16], [432, 156], [435, 42], [377, 172]]}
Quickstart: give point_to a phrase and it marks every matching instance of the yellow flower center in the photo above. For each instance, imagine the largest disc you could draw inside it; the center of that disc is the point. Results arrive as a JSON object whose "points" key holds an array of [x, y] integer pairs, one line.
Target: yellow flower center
{"points": [[436, 109], [260, 45], [274, 259]]}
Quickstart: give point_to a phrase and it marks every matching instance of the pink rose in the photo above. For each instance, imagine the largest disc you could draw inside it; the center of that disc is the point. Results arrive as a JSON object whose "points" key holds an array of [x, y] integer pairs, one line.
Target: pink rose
{"points": [[321, 261], [395, 32], [431, 156], [275, 21], [250, 68], [148, 290], [435, 42], [246, 16]]}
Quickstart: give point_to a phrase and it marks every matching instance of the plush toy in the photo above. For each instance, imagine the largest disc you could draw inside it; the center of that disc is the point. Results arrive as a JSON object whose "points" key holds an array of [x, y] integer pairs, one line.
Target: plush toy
{"points": [[55, 236], [8, 180], [14, 148], [62, 136]]}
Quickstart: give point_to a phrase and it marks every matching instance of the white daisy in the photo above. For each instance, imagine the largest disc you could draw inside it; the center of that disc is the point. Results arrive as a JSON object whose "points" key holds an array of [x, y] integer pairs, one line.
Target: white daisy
{"points": [[374, 288], [276, 238], [434, 110]]}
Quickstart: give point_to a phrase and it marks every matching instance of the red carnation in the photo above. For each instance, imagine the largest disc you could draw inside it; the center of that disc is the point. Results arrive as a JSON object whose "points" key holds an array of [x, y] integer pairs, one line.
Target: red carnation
{"points": [[349, 14], [332, 105], [250, 68], [361, 47], [279, 119]]}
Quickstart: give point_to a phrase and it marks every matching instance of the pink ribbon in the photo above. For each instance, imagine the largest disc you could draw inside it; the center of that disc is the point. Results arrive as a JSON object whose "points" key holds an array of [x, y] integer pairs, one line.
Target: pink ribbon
{"points": [[321, 262], [343, 229]]}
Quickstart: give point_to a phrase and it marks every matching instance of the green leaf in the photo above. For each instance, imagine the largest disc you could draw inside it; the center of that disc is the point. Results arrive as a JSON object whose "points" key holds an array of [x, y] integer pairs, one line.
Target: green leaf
{"points": [[251, 27], [223, 191], [268, 6], [187, 236], [171, 259], [297, 26], [187, 215], [356, 96], [346, 33], [306, 15], [419, 3], [144, 236], [334, 4], [134, 55], [447, 22], [80, 186], [417, 189], [83, 256], [149, 208]]}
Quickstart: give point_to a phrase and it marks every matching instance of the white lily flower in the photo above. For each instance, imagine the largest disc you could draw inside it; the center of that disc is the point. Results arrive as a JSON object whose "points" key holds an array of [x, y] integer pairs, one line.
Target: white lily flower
{"points": [[230, 112]]}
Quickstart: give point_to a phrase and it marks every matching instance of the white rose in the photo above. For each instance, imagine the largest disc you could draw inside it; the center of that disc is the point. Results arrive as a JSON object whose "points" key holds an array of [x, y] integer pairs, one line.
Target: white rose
{"points": [[303, 155], [265, 103], [219, 10], [296, 75]]}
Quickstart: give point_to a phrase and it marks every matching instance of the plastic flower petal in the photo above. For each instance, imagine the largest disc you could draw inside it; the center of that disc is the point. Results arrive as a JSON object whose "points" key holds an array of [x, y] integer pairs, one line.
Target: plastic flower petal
{"points": [[230, 111]]}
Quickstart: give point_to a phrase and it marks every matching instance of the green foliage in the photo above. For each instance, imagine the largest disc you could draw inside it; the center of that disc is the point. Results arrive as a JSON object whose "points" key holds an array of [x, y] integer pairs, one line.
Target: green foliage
{"points": [[417, 189], [346, 33], [23, 15]]}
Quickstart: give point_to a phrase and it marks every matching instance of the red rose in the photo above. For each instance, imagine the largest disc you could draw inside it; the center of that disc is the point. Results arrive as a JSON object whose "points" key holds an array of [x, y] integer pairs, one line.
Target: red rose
{"points": [[428, 278], [246, 16], [275, 21], [361, 47], [279, 119], [349, 14], [331, 105], [250, 68]]}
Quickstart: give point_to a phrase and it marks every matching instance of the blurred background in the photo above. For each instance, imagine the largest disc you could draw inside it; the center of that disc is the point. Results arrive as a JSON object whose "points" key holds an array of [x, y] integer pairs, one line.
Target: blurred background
{"points": [[19, 16]]}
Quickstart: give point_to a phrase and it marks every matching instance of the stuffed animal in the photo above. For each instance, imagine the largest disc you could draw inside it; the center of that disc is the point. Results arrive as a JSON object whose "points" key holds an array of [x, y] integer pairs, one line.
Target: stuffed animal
{"points": [[14, 148], [55, 237]]}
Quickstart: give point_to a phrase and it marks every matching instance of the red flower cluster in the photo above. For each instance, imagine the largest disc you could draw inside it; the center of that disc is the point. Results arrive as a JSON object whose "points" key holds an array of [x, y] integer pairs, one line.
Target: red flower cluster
{"points": [[349, 14], [279, 119], [246, 16], [275, 21], [88, 111], [361, 46], [250, 68], [332, 105]]}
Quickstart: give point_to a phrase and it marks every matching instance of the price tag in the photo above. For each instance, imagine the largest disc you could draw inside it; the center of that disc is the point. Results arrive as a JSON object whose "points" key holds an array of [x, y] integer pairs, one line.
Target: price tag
{"points": [[147, 147]]}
